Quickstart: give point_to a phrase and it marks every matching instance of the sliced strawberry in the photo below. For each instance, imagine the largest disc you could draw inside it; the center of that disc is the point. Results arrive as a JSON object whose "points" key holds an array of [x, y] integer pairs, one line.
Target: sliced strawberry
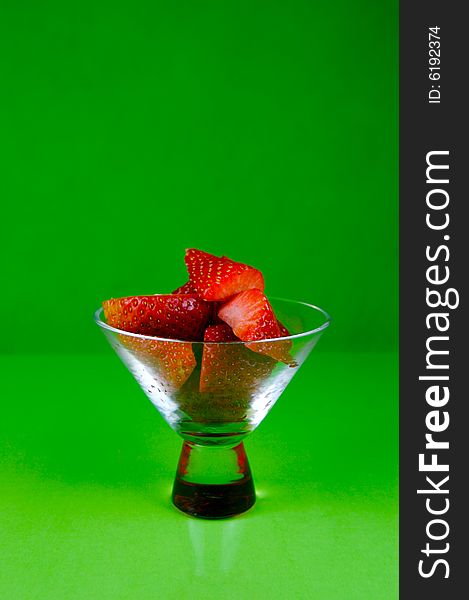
{"points": [[252, 318], [285, 333], [215, 319], [221, 406], [185, 289], [220, 333], [170, 363], [231, 370], [179, 316], [218, 278], [283, 330]]}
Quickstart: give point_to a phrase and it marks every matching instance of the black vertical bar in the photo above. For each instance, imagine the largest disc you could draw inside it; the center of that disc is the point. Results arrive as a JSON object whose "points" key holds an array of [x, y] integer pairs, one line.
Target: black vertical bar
{"points": [[425, 127]]}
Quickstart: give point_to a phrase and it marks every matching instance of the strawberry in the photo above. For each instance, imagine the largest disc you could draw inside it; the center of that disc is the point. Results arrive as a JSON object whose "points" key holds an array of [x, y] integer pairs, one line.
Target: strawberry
{"points": [[231, 370], [170, 363], [177, 316], [222, 406], [283, 330], [218, 278], [185, 289], [215, 320], [188, 289], [220, 333], [250, 315], [252, 318]]}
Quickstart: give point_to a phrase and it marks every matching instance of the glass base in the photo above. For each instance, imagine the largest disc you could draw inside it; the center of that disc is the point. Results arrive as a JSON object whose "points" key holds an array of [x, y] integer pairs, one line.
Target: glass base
{"points": [[213, 482]]}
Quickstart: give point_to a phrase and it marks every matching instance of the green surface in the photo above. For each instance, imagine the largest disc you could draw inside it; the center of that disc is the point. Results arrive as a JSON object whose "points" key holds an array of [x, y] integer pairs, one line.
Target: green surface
{"points": [[259, 129], [263, 130], [87, 466]]}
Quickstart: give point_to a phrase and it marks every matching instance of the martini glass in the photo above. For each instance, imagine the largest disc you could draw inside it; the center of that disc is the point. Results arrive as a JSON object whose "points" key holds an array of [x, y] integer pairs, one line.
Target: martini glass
{"points": [[216, 397]]}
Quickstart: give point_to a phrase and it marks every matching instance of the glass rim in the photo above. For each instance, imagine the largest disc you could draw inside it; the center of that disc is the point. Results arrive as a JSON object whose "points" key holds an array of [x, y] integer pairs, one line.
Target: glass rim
{"points": [[325, 325]]}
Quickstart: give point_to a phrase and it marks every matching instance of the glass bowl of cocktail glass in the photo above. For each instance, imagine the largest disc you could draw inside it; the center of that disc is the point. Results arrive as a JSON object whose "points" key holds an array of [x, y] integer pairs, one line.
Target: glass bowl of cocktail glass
{"points": [[214, 394]]}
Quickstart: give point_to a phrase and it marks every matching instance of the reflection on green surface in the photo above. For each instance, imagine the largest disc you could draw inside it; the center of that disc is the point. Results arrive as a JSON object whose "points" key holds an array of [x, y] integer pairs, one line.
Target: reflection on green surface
{"points": [[86, 468], [216, 549]]}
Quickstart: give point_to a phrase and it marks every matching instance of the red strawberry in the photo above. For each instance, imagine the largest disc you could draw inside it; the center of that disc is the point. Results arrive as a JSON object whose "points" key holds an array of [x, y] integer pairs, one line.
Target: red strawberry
{"points": [[283, 330], [250, 315], [231, 370], [221, 406], [252, 318], [180, 316], [170, 363], [185, 289], [215, 278], [215, 319], [220, 333]]}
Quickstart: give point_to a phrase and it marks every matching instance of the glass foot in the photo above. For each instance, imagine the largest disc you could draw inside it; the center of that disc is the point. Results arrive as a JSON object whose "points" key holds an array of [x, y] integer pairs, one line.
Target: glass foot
{"points": [[213, 482]]}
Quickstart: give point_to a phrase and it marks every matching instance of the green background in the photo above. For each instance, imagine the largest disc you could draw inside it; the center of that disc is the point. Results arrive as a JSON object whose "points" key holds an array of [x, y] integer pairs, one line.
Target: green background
{"points": [[266, 131]]}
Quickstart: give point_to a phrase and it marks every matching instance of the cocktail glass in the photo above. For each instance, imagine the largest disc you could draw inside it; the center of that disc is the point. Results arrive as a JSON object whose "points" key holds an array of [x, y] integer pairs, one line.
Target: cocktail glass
{"points": [[224, 394]]}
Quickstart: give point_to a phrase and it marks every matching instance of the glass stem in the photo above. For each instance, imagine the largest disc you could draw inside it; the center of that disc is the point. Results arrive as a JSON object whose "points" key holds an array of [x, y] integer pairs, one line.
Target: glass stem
{"points": [[213, 482]]}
